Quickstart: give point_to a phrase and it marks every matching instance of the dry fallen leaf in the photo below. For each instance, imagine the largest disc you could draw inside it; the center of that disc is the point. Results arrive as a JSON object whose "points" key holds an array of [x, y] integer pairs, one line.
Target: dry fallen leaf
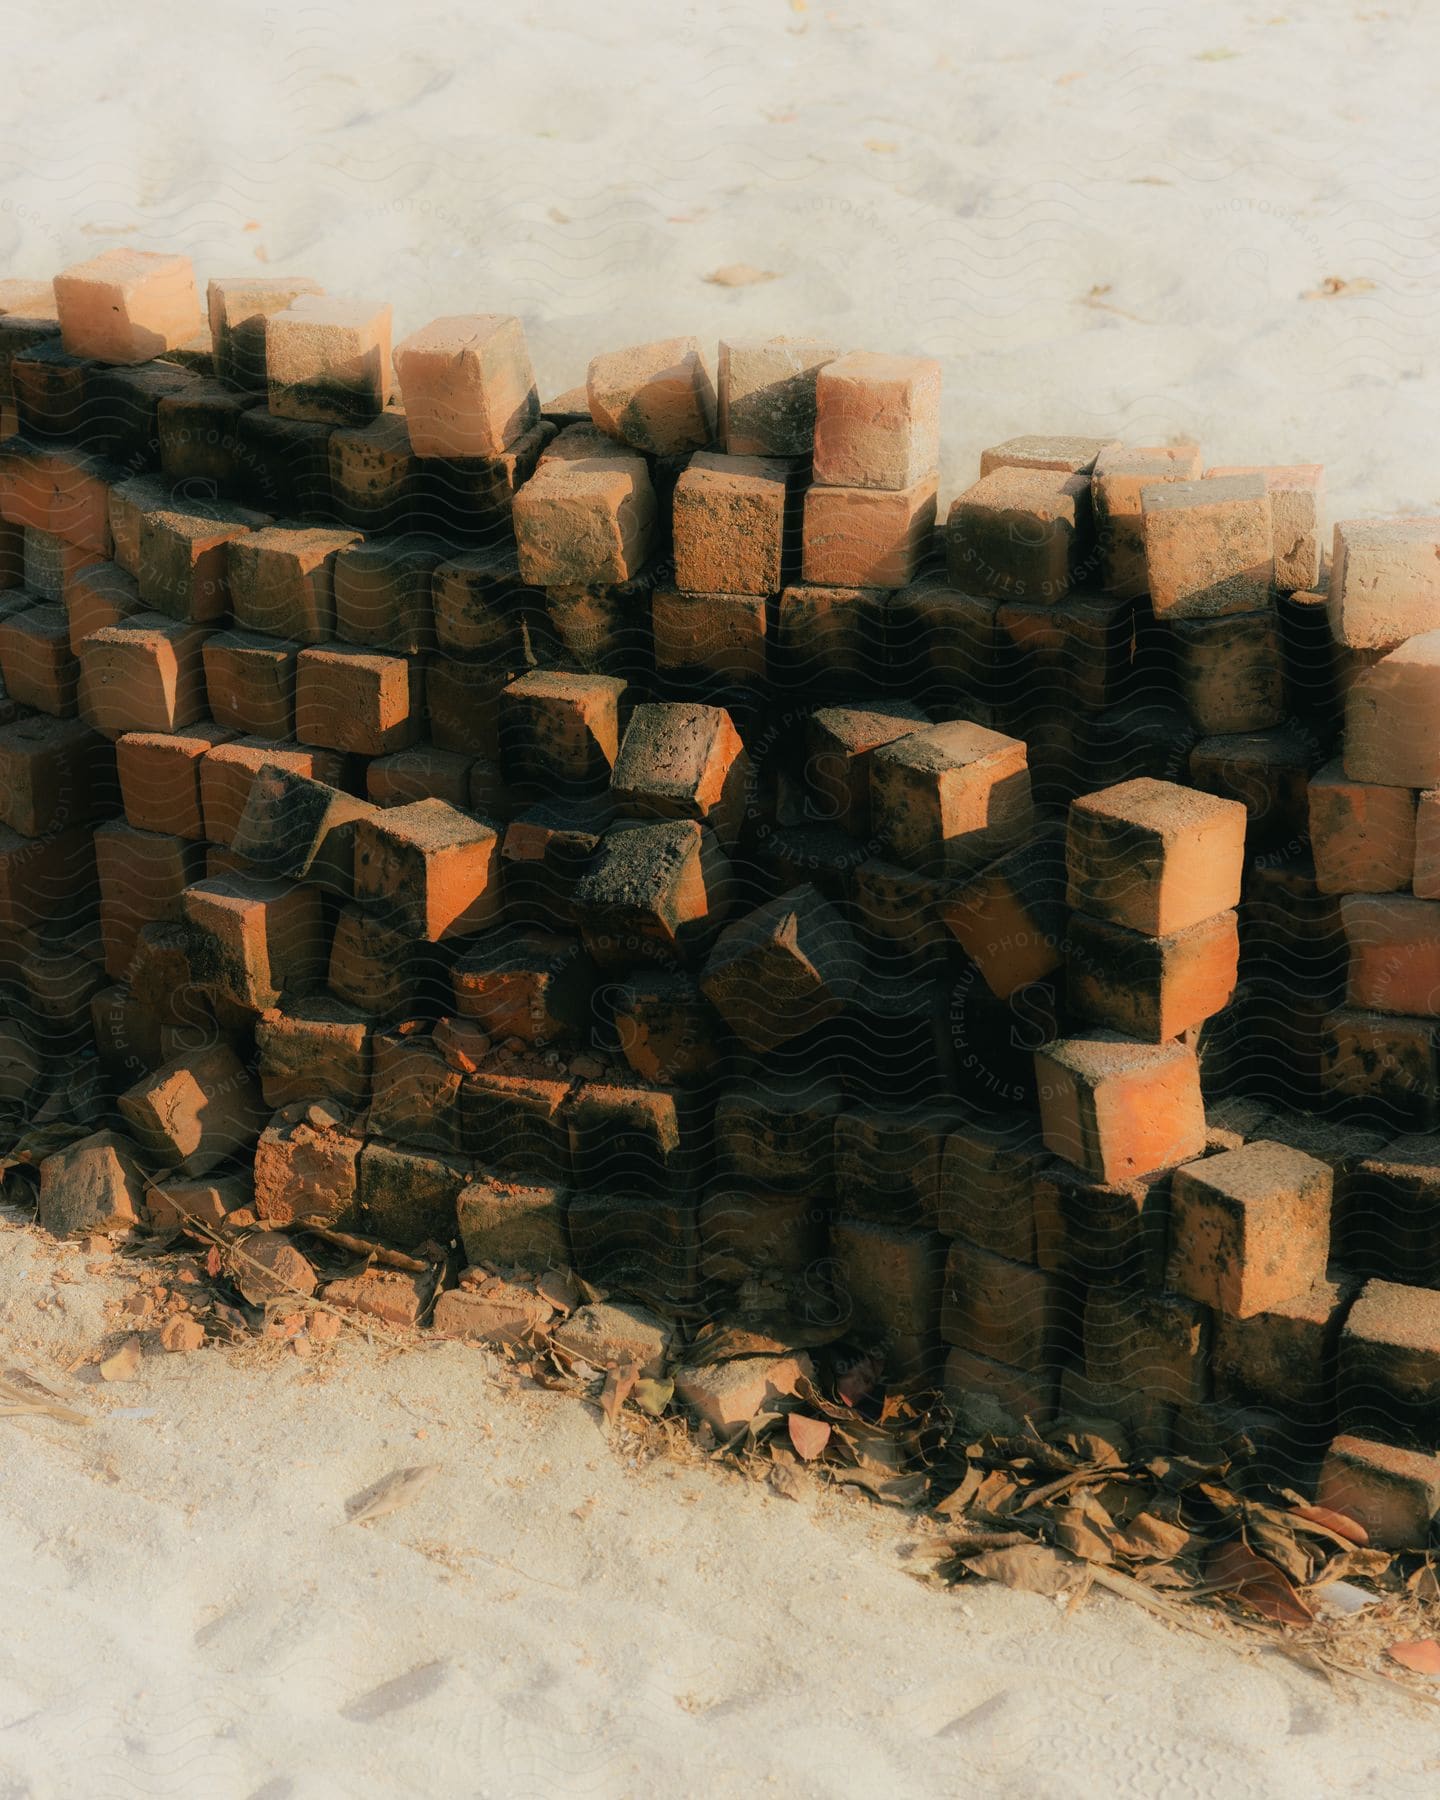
{"points": [[389, 1495], [809, 1436], [739, 275], [1340, 1523], [19, 1402], [1259, 1583], [653, 1396], [1336, 287], [1422, 1657], [1034, 1568], [124, 1363]]}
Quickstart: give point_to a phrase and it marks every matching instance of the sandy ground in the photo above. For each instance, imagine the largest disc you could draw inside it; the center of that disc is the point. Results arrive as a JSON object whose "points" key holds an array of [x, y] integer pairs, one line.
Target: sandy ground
{"points": [[1118, 220], [189, 1611]]}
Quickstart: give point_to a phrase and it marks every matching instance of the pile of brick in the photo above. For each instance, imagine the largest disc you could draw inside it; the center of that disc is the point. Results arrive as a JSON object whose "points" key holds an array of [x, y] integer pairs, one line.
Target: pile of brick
{"points": [[632, 834]]}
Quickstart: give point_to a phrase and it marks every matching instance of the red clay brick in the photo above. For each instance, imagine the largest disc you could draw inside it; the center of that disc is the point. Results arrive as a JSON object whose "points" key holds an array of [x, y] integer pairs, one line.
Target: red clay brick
{"points": [[1250, 1228], [1119, 1109]]}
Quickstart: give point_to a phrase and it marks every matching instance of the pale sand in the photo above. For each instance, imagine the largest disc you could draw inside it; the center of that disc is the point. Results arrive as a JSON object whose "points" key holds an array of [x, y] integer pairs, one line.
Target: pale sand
{"points": [[185, 1610]]}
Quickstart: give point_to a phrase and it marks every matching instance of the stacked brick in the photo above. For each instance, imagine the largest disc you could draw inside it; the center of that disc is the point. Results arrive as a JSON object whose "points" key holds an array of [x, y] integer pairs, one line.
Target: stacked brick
{"points": [[632, 833]]}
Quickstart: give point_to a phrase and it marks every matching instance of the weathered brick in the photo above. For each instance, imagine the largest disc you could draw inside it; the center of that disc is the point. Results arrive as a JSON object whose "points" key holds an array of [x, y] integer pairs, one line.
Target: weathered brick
{"points": [[1117, 484], [516, 1123], [988, 1169], [408, 1196], [746, 1237], [281, 580], [1297, 508], [890, 1278], [877, 421], [560, 729], [948, 799], [430, 866], [779, 1132], [729, 524], [356, 700], [1394, 1494], [1363, 837], [1150, 987], [1154, 856], [306, 1169], [657, 397], [467, 385], [1208, 548], [298, 829], [532, 986], [1019, 534], [1392, 716], [184, 557], [786, 967], [866, 537], [53, 773], [238, 306], [229, 770], [314, 1048], [415, 1092], [1119, 1109], [382, 593], [1006, 1311], [585, 521], [654, 891], [255, 940], [328, 359], [1228, 671], [507, 1224], [36, 662], [126, 306], [1011, 919], [1250, 1228], [1384, 581], [92, 1185], [767, 394], [1394, 942], [195, 1112], [683, 761]]}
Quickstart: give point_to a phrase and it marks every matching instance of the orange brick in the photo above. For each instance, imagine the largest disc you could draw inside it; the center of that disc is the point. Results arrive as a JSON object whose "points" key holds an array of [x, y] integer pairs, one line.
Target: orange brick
{"points": [[877, 421], [1119, 1109], [1150, 987], [1364, 838], [467, 385], [238, 307], [160, 777], [585, 521], [228, 771], [1394, 1494], [656, 890], [63, 492], [194, 1113], [374, 474], [328, 359], [36, 662], [1297, 510], [1067, 455], [767, 394], [719, 640], [1208, 546], [784, 968], [1250, 1228], [355, 700], [1018, 534], [281, 580], [1154, 856], [142, 876], [840, 745], [951, 798], [183, 558], [126, 306], [253, 940], [100, 594], [1426, 879], [53, 773], [250, 683], [866, 537], [1392, 716], [1011, 918], [683, 762], [45, 878], [382, 593], [1384, 581], [729, 524], [1228, 671], [657, 397], [1117, 482], [1394, 942], [559, 729], [430, 867]]}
